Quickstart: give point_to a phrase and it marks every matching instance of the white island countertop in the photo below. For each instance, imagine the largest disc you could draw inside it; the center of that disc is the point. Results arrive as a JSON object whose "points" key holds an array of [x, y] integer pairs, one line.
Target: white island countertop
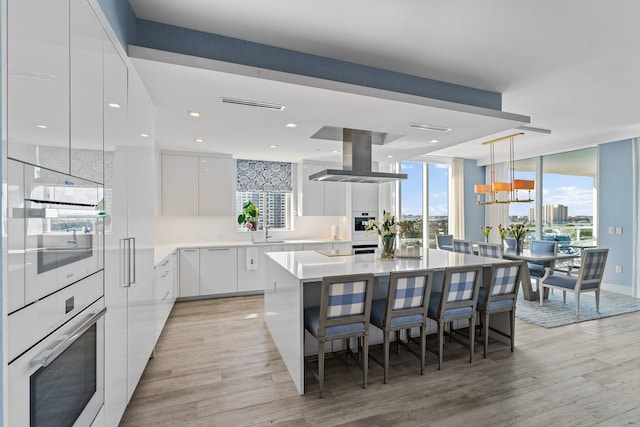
{"points": [[311, 266]]}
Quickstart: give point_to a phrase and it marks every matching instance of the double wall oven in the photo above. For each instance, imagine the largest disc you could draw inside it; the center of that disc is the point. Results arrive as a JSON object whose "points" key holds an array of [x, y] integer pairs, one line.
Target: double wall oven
{"points": [[363, 242], [55, 297]]}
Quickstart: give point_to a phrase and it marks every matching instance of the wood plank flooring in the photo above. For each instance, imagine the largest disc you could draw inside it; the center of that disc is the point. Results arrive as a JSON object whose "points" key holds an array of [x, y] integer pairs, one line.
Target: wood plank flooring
{"points": [[216, 365]]}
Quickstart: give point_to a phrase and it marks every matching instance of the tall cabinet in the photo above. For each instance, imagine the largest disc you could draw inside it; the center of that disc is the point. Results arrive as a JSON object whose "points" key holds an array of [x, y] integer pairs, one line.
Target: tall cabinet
{"points": [[130, 325]]}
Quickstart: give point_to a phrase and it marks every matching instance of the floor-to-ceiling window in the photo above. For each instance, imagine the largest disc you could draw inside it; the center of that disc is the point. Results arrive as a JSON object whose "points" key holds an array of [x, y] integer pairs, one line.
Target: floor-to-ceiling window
{"points": [[417, 207], [569, 198]]}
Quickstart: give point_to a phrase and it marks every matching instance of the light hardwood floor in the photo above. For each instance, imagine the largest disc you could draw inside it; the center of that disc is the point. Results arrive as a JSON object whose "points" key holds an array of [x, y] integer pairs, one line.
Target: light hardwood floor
{"points": [[216, 365]]}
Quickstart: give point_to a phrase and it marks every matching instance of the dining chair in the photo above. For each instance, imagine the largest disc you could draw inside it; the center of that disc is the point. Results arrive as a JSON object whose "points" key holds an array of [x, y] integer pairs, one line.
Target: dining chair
{"points": [[456, 301], [463, 246], [444, 242], [343, 313], [537, 269], [490, 250], [500, 295], [588, 279], [510, 243], [405, 307]]}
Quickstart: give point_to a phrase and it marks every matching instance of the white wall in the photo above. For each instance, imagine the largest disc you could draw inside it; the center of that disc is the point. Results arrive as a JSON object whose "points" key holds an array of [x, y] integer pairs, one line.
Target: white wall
{"points": [[176, 229]]}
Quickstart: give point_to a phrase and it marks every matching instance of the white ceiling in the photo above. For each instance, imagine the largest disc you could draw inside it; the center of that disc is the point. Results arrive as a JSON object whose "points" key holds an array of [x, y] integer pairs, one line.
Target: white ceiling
{"points": [[572, 66]]}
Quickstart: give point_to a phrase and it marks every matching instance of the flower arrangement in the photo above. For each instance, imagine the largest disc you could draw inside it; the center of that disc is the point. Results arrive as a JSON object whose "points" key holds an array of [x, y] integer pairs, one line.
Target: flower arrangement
{"points": [[503, 231], [518, 231], [486, 229], [387, 230], [249, 216]]}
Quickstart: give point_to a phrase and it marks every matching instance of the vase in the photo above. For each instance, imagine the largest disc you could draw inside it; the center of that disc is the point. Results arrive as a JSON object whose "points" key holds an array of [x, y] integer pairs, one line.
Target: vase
{"points": [[518, 246], [486, 239], [389, 246]]}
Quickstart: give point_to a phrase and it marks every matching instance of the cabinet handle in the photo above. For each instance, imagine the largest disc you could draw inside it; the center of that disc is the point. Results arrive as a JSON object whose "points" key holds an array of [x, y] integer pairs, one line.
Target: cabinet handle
{"points": [[166, 294], [166, 273], [189, 250], [166, 261], [218, 249]]}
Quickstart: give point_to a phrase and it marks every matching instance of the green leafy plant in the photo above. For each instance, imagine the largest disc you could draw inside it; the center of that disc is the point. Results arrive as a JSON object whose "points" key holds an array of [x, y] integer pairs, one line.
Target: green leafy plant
{"points": [[249, 216]]}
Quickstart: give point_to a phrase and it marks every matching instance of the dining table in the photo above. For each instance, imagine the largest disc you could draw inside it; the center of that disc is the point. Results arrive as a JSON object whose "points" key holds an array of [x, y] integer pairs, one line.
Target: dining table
{"points": [[546, 258]]}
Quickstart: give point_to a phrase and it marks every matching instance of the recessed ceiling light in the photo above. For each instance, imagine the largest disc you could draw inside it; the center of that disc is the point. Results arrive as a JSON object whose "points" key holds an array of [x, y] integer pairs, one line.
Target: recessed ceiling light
{"points": [[204, 161], [335, 151], [199, 140], [41, 126], [273, 146], [144, 135], [434, 141], [194, 113], [291, 125], [390, 156], [114, 105], [249, 103], [428, 127]]}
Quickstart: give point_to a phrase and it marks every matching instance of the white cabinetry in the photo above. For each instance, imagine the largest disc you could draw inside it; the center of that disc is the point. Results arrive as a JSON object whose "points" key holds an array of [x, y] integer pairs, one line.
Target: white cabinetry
{"points": [[38, 75], [252, 274], [86, 59], [317, 198], [215, 187], [179, 185], [189, 272], [218, 271], [55, 74], [194, 185], [129, 237], [164, 291]]}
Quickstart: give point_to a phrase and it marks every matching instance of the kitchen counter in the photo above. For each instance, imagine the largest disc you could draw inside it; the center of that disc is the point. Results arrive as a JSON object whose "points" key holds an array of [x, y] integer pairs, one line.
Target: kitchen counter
{"points": [[162, 250]]}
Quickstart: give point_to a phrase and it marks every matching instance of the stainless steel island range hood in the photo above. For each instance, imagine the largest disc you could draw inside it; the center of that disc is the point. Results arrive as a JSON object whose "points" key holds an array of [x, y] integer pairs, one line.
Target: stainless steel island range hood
{"points": [[356, 161]]}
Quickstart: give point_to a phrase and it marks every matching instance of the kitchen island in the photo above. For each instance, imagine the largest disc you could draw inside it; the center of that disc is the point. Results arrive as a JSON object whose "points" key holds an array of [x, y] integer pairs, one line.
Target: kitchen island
{"points": [[293, 283]]}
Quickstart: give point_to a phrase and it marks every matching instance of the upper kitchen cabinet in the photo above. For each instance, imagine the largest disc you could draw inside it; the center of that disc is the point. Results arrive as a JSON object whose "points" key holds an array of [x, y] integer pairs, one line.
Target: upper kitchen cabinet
{"points": [[180, 185], [38, 78], [86, 72], [193, 186], [316, 198], [215, 186]]}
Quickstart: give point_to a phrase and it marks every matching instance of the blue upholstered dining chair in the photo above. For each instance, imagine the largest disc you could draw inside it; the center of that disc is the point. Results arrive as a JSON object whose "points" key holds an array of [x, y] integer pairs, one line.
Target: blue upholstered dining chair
{"points": [[456, 301], [490, 250], [510, 243], [588, 279], [405, 307], [444, 242], [463, 246], [537, 270], [499, 295], [344, 311]]}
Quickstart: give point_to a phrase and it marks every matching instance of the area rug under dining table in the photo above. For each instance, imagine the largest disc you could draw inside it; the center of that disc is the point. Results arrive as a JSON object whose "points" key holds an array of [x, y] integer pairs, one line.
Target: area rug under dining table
{"points": [[554, 313]]}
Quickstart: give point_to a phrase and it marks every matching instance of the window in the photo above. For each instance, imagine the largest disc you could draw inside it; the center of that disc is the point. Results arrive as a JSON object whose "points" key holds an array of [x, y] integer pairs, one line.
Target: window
{"points": [[414, 202], [269, 186], [569, 196]]}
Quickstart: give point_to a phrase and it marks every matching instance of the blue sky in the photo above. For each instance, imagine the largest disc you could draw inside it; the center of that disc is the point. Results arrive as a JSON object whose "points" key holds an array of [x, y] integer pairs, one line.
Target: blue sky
{"points": [[576, 192]]}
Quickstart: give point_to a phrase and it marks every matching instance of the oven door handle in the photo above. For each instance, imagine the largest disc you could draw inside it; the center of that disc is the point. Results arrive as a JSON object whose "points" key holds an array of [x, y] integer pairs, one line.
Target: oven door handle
{"points": [[47, 356]]}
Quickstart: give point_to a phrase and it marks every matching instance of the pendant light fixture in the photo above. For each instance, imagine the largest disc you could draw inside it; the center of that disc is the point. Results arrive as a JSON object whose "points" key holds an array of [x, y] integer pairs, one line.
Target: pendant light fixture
{"points": [[499, 191]]}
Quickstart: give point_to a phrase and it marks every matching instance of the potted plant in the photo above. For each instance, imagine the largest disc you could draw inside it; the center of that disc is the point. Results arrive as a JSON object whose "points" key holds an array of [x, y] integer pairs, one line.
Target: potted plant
{"points": [[249, 216]]}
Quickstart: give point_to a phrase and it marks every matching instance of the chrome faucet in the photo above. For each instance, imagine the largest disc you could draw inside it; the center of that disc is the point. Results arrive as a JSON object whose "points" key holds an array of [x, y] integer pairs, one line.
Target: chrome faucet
{"points": [[74, 240], [267, 236]]}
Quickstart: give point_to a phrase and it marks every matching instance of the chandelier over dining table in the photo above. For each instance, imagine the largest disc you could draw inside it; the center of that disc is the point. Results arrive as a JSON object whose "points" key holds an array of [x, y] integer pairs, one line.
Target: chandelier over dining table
{"points": [[503, 191]]}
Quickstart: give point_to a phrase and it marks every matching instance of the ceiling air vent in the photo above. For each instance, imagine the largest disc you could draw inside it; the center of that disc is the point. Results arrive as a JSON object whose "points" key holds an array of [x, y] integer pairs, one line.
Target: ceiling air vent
{"points": [[257, 104], [429, 127]]}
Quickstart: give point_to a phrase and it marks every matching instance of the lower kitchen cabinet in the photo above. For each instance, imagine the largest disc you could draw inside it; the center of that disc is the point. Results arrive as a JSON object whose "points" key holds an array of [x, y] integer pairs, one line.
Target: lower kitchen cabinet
{"points": [[141, 338], [218, 271], [115, 361], [189, 272], [164, 291], [251, 268]]}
